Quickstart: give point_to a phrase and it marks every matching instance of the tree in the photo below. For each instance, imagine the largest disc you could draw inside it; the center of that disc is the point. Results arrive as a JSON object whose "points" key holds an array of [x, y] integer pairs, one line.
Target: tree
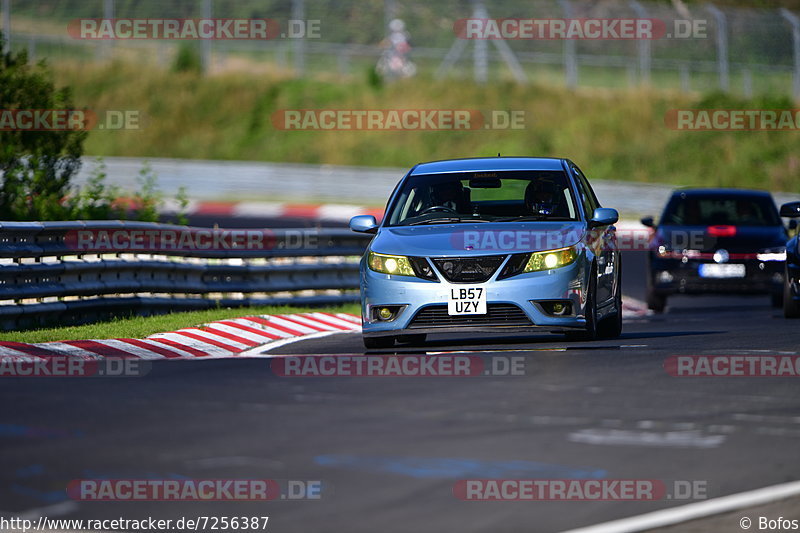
{"points": [[35, 166]]}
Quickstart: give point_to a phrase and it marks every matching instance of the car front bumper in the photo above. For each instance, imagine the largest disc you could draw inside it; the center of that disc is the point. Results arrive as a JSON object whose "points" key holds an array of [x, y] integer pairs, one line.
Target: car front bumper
{"points": [[673, 276], [513, 303]]}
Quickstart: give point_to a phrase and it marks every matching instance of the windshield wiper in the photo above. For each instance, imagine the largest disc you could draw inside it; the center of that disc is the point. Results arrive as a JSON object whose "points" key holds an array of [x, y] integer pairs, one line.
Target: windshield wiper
{"points": [[448, 220], [531, 218]]}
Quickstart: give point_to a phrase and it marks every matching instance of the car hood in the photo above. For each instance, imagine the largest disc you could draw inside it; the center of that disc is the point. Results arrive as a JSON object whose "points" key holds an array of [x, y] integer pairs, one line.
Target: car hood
{"points": [[748, 239], [465, 239]]}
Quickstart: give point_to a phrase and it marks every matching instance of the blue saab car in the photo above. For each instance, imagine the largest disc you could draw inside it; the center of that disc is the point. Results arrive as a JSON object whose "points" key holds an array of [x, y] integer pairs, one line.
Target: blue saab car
{"points": [[506, 244]]}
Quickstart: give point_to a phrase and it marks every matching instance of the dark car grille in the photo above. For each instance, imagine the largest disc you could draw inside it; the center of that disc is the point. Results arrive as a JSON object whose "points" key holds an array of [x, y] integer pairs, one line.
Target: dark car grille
{"points": [[435, 316], [468, 269]]}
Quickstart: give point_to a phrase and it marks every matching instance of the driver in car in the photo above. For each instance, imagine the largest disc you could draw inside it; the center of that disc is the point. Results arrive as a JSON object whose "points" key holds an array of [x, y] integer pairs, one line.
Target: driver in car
{"points": [[541, 197], [450, 194]]}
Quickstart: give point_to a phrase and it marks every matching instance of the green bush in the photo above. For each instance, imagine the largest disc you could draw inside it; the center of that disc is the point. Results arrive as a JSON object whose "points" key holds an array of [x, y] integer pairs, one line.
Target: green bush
{"points": [[36, 166]]}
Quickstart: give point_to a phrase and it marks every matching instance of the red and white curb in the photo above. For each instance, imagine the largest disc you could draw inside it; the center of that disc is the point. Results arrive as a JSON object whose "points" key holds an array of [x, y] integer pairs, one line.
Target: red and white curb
{"points": [[224, 338], [330, 212]]}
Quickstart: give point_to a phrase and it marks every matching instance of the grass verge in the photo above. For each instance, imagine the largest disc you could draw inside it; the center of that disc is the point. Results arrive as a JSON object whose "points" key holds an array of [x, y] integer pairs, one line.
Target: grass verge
{"points": [[140, 327], [612, 134]]}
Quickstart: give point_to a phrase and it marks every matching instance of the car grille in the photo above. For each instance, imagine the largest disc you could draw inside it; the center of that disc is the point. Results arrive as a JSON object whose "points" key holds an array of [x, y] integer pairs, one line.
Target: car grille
{"points": [[435, 316], [468, 269]]}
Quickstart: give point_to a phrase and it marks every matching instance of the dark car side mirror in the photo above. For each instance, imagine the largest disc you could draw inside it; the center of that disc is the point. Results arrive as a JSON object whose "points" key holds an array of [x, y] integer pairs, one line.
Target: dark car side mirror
{"points": [[364, 224], [603, 216], [790, 210], [648, 221]]}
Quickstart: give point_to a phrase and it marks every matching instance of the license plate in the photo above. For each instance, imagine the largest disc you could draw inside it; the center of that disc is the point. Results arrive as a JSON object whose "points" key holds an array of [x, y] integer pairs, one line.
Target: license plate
{"points": [[466, 301], [722, 271]]}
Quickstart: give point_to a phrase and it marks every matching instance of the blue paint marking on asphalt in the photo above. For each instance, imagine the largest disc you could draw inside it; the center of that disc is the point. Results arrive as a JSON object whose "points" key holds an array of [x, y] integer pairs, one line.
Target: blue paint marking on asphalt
{"points": [[421, 467], [17, 430], [29, 471]]}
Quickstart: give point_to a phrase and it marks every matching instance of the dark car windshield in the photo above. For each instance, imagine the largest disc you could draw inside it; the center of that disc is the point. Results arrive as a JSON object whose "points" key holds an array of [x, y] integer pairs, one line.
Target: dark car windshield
{"points": [[484, 196], [713, 210]]}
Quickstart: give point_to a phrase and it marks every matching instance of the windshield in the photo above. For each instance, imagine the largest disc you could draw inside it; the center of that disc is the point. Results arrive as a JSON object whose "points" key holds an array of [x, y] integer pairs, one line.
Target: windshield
{"points": [[483, 197], [690, 210]]}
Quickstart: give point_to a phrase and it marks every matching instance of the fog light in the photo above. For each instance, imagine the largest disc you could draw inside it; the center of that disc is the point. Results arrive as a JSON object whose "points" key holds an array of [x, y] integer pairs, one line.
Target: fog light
{"points": [[385, 313], [556, 308]]}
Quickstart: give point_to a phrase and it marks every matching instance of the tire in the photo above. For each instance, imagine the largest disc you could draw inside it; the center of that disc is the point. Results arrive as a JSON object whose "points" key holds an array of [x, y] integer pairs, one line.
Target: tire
{"points": [[611, 326], [777, 299], [376, 343], [791, 307], [414, 340], [590, 333], [656, 302]]}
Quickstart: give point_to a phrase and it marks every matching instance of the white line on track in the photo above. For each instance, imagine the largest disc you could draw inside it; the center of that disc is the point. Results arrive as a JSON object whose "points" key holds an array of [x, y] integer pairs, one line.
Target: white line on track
{"points": [[693, 511]]}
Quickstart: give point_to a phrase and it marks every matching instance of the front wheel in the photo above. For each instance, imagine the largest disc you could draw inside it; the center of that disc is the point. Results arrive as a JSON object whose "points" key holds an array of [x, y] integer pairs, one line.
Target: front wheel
{"points": [[791, 307], [589, 333], [611, 326], [376, 343]]}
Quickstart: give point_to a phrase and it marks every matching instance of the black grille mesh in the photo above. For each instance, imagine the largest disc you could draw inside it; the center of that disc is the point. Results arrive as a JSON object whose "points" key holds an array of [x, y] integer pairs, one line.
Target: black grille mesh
{"points": [[435, 316], [468, 269]]}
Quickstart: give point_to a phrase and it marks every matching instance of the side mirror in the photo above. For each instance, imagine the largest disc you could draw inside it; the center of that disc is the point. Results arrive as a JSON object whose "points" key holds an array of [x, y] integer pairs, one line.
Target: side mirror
{"points": [[603, 216], [364, 224], [648, 221], [790, 210]]}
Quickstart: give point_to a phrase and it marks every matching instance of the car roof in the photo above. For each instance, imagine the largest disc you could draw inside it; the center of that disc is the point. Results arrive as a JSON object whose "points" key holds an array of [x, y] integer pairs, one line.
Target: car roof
{"points": [[721, 192], [484, 164]]}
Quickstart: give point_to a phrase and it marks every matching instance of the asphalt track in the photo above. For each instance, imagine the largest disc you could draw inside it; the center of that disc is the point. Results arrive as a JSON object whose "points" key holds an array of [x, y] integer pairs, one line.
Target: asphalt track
{"points": [[389, 450]]}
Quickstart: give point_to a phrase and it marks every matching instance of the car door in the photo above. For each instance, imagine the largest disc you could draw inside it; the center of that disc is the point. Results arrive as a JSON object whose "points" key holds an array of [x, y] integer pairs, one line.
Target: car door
{"points": [[605, 240]]}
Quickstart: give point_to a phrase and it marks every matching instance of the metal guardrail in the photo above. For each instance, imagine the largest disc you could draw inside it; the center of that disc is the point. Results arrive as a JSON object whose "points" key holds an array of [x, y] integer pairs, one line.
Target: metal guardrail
{"points": [[60, 272]]}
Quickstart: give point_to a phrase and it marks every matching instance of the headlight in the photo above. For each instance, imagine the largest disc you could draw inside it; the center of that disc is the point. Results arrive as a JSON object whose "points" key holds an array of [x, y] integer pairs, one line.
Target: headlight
{"points": [[397, 265], [772, 254], [551, 259]]}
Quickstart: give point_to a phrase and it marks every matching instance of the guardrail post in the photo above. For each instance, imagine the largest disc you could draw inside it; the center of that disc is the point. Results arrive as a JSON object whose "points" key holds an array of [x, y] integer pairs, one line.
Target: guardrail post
{"points": [[570, 59], [205, 44], [108, 13], [643, 45], [795, 22], [298, 43], [722, 46], [479, 52]]}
